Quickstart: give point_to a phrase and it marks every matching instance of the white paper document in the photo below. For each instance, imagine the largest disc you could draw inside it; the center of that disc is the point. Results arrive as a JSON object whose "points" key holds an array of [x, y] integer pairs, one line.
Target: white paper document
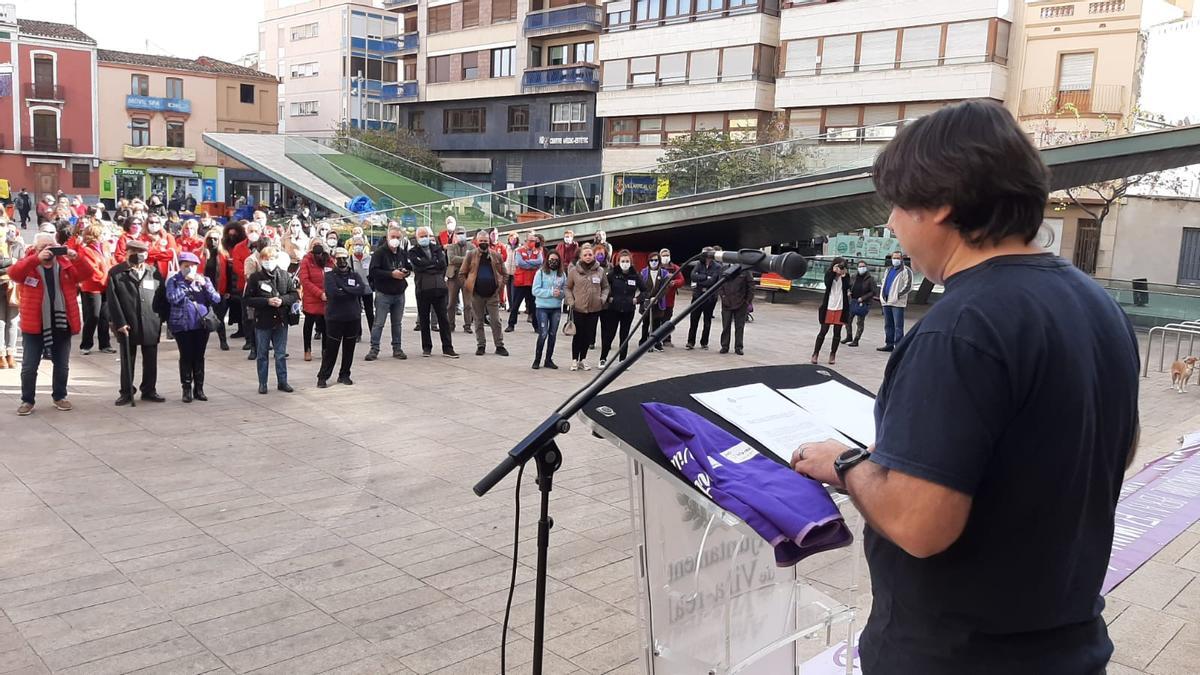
{"points": [[763, 413], [839, 406]]}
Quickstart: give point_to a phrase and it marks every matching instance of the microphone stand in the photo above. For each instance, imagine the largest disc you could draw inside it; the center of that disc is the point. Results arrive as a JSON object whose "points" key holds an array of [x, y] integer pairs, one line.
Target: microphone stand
{"points": [[541, 446]]}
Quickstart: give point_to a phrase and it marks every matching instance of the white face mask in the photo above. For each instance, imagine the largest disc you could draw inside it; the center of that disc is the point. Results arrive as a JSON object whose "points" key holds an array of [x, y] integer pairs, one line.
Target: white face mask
{"points": [[625, 265], [252, 237], [666, 260], [394, 243], [896, 262], [269, 265], [568, 240], [155, 228], [187, 270], [862, 270]]}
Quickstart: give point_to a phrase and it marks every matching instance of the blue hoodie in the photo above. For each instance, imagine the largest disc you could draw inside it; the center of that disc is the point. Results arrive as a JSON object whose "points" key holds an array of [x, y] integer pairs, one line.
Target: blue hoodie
{"points": [[544, 284]]}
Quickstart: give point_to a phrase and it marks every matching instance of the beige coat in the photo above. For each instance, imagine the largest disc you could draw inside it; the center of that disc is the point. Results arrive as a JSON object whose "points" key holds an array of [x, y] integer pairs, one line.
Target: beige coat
{"points": [[587, 289]]}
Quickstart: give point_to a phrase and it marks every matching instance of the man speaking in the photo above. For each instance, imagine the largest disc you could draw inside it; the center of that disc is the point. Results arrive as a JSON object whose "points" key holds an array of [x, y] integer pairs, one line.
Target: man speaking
{"points": [[1006, 420]]}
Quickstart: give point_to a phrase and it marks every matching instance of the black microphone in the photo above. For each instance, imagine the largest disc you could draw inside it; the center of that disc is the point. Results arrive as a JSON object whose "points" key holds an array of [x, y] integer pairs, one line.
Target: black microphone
{"points": [[790, 265]]}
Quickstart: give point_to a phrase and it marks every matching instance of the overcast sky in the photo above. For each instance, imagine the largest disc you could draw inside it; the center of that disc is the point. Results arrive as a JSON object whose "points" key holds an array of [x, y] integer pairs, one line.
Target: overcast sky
{"points": [[223, 29]]}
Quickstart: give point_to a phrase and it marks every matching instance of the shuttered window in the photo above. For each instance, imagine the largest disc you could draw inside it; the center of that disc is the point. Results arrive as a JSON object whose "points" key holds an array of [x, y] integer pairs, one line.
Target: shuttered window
{"points": [[804, 123], [837, 54], [841, 123], [703, 68], [878, 51], [921, 46], [966, 42], [616, 74], [1075, 72], [801, 57], [878, 120], [737, 63], [915, 110]]}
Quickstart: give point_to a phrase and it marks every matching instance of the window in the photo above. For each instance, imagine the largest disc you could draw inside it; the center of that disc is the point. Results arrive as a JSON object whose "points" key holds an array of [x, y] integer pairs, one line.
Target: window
{"points": [[45, 132], [306, 31], [647, 10], [622, 131], [703, 68], [305, 108], [1003, 29], [801, 57], [643, 71], [737, 63], [174, 134], [1075, 80], [358, 24], [174, 87], [585, 52], [358, 66], [615, 75], [439, 69], [568, 116], [708, 6], [743, 127], [841, 124], [710, 122], [502, 61], [43, 72], [470, 13], [439, 19], [504, 10], [878, 51], [247, 93], [734, 4], [470, 65], [765, 70], [518, 118], [617, 13], [81, 176], [391, 113], [374, 27], [139, 85], [650, 131], [535, 56], [804, 123], [557, 55], [464, 121], [311, 69], [140, 132], [391, 71], [878, 122], [920, 46], [410, 69], [837, 54], [374, 69], [416, 121], [678, 125], [676, 8], [966, 42], [672, 68]]}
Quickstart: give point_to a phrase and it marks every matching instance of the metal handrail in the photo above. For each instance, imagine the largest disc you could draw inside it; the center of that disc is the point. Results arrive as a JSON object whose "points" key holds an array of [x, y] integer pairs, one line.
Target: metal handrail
{"points": [[1189, 328]]}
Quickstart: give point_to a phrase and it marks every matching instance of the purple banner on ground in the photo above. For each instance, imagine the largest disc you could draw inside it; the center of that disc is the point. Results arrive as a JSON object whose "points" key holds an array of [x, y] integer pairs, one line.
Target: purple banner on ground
{"points": [[1155, 506]]}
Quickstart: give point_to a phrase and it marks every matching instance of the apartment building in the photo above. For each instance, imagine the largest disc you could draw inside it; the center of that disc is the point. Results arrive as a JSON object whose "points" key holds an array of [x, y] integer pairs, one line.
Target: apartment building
{"points": [[47, 136]]}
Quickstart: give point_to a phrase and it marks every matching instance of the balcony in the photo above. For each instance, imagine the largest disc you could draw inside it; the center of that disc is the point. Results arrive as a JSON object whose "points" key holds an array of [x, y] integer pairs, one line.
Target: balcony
{"points": [[45, 144], [159, 153], [43, 91], [399, 4], [401, 92], [389, 46], [564, 20], [1105, 99], [561, 78], [158, 104]]}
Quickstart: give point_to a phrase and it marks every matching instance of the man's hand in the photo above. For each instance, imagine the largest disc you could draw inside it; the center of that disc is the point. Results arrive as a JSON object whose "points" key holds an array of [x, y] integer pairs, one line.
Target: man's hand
{"points": [[72, 255], [45, 255], [274, 302], [324, 296], [398, 274], [815, 460], [123, 330]]}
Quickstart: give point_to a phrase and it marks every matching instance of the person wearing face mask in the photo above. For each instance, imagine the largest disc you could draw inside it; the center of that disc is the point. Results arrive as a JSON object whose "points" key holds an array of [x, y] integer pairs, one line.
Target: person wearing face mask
{"points": [[271, 294], [654, 277], [549, 292], [604, 252], [498, 246], [675, 284], [587, 294], [833, 308], [456, 252], [862, 292], [189, 237], [214, 265], [295, 241], [313, 268], [897, 284], [626, 288], [705, 274], [12, 249], [388, 272], [191, 296], [511, 248], [736, 296], [343, 318], [331, 241], [234, 233], [446, 236], [136, 304], [239, 255], [568, 250], [428, 261], [360, 262], [133, 229], [481, 276], [528, 259], [163, 250], [90, 245]]}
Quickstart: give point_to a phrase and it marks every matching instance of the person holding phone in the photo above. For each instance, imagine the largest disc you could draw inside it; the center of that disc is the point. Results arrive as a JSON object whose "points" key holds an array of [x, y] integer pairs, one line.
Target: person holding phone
{"points": [[833, 308]]}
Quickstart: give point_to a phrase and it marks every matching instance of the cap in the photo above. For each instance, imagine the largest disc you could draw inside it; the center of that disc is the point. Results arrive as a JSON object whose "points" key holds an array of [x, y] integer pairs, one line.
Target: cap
{"points": [[340, 252], [137, 245], [189, 257]]}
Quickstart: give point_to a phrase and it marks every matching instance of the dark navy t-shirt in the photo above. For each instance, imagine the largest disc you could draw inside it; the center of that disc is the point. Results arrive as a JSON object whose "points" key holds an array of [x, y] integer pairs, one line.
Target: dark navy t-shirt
{"points": [[1018, 388]]}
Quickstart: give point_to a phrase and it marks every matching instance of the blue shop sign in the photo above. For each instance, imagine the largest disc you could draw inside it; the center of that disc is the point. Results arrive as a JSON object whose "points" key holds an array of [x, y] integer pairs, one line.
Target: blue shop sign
{"points": [[178, 105]]}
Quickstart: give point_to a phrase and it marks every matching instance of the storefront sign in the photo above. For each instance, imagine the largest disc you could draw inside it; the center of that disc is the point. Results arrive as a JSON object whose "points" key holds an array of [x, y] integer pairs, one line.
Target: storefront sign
{"points": [[567, 140], [159, 153], [858, 246], [128, 172], [177, 105], [210, 190]]}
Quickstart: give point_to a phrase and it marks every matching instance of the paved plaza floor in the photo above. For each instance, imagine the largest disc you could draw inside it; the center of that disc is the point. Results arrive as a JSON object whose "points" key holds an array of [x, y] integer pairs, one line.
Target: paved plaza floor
{"points": [[334, 530]]}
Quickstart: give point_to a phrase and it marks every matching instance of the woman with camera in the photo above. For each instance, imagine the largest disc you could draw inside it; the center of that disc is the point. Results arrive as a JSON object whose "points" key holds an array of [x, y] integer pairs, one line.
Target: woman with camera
{"points": [[833, 311]]}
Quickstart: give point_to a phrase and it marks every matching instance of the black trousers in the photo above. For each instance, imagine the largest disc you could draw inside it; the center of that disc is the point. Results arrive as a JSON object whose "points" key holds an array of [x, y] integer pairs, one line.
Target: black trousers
{"points": [[233, 306], [837, 338], [610, 321], [705, 312], [520, 294], [247, 324], [431, 306], [736, 317], [338, 335], [222, 310], [368, 303], [95, 321], [311, 320], [585, 334], [129, 362], [192, 344], [657, 318]]}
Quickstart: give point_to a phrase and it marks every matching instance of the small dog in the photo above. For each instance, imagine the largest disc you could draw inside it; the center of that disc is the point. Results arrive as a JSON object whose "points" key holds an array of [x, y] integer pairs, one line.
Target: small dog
{"points": [[1181, 372]]}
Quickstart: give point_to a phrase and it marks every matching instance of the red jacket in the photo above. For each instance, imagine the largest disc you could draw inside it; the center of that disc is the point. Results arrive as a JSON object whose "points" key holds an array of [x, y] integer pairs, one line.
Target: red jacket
{"points": [[98, 259], [119, 253], [162, 252], [25, 271], [191, 245], [312, 283], [522, 276], [240, 253], [567, 254], [676, 282], [221, 280]]}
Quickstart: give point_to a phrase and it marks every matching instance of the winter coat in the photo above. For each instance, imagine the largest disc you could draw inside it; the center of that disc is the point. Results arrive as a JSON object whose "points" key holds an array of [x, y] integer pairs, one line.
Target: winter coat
{"points": [[676, 284], [312, 282], [344, 290], [238, 255], [163, 253], [834, 283], [264, 285], [654, 280], [190, 245], [544, 284], [132, 302], [456, 252], [25, 274], [468, 272], [706, 275], [221, 270], [738, 292], [897, 295], [100, 260], [587, 288], [189, 301], [625, 289], [430, 267], [528, 261], [863, 288], [567, 253], [362, 267], [383, 262]]}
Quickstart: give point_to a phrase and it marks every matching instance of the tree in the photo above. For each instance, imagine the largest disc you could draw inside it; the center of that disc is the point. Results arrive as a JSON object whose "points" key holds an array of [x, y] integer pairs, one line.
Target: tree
{"points": [[405, 144]]}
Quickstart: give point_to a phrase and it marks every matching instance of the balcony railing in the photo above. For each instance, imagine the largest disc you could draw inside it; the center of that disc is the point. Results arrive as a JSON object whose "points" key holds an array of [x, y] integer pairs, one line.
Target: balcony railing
{"points": [[399, 92], [389, 46], [43, 91], [574, 18], [1058, 11], [45, 144], [586, 77], [1105, 99], [1110, 7]]}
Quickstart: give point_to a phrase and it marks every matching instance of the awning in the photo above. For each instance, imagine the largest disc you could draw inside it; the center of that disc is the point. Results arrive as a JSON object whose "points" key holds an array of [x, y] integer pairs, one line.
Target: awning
{"points": [[178, 173]]}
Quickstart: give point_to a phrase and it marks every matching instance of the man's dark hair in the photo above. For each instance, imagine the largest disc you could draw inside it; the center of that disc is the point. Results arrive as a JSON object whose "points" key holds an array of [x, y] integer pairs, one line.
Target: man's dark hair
{"points": [[974, 158]]}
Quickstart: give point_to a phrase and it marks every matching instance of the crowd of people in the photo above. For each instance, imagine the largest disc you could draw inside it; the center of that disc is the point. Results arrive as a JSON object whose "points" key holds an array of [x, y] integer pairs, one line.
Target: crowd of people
{"points": [[145, 276]]}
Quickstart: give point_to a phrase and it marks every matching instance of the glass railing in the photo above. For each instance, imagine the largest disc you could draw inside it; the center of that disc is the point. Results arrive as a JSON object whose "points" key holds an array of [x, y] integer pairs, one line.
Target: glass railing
{"points": [[588, 17], [400, 91], [584, 76]]}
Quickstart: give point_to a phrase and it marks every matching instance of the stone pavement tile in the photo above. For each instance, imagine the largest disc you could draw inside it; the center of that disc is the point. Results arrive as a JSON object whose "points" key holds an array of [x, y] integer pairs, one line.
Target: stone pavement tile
{"points": [[592, 560], [90, 571], [287, 543], [215, 561], [213, 629], [1139, 634], [559, 622], [192, 664], [267, 632], [1113, 608], [232, 604], [469, 644], [621, 593], [1115, 668], [1191, 559], [481, 586], [166, 529], [494, 564], [357, 588], [183, 593], [71, 600], [454, 552], [1153, 585], [322, 660], [343, 553], [518, 659], [397, 625], [90, 623], [1177, 548], [592, 635], [1186, 605], [612, 655], [34, 556], [389, 606], [377, 664], [252, 530], [591, 580], [121, 643], [444, 634], [558, 595], [180, 655], [289, 647], [1181, 654], [151, 555]]}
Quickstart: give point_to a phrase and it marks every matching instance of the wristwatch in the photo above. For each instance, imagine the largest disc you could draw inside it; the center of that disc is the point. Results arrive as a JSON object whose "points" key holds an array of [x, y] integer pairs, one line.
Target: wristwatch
{"points": [[848, 460]]}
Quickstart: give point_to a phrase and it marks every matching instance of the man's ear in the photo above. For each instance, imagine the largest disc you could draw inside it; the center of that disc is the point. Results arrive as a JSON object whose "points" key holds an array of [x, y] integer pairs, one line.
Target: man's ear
{"points": [[940, 215]]}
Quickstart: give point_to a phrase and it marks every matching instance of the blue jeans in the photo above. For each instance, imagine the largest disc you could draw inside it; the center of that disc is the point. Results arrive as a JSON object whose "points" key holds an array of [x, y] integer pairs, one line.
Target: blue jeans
{"points": [[272, 338], [385, 306], [60, 355], [547, 328], [893, 325]]}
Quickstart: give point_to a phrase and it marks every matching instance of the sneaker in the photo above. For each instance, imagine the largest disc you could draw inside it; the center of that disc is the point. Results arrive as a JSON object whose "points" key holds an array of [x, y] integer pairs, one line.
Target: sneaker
{"points": [[85, 352], [501, 351], [537, 363], [724, 350], [345, 380], [25, 409], [467, 328], [704, 346], [480, 350], [426, 353], [603, 364], [63, 405], [550, 364], [284, 387], [322, 384], [658, 348], [371, 355], [152, 397], [689, 346], [399, 354], [224, 347], [450, 354], [583, 365], [574, 365], [262, 388], [252, 356], [110, 350], [247, 347]]}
